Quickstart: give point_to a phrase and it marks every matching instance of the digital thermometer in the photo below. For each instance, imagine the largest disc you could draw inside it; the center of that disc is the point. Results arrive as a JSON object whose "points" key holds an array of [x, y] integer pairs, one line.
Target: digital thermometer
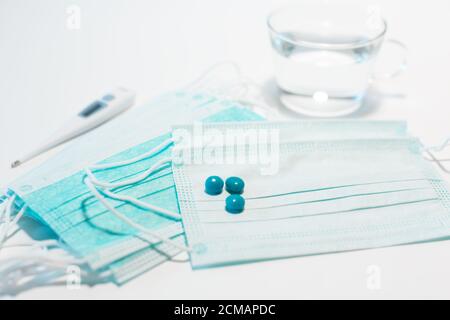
{"points": [[95, 114]]}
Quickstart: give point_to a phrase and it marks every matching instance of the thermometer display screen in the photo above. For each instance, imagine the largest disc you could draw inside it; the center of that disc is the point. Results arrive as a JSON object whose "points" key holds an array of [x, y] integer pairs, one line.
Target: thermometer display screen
{"points": [[92, 108]]}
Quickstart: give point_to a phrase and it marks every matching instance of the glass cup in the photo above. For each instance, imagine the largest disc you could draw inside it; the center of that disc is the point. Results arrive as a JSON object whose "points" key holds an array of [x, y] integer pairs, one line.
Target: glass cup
{"points": [[324, 55]]}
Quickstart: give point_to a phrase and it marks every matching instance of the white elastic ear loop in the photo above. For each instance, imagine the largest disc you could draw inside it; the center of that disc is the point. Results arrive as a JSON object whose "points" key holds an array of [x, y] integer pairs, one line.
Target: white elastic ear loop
{"points": [[29, 278], [256, 101], [6, 217], [429, 151], [12, 224], [153, 168], [38, 267], [29, 273], [148, 154], [210, 70], [238, 91], [439, 147], [49, 278], [33, 267], [139, 203], [138, 178], [19, 215], [46, 258], [34, 244], [2, 211], [130, 222], [437, 161], [227, 92], [143, 204]]}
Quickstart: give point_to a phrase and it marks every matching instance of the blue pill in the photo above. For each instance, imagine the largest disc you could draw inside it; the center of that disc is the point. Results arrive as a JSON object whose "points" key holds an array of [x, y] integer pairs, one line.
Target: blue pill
{"points": [[234, 185], [235, 204], [214, 185]]}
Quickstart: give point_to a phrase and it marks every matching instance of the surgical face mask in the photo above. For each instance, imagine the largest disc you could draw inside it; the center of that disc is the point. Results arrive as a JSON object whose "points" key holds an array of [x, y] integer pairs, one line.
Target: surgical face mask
{"points": [[328, 195], [57, 196]]}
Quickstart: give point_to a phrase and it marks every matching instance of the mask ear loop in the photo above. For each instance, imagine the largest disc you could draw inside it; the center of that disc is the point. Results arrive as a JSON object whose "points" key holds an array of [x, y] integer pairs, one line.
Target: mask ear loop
{"points": [[92, 182], [130, 222], [6, 217], [11, 221], [139, 203], [34, 266], [155, 167], [35, 269], [432, 158], [256, 101], [197, 82], [143, 205], [7, 235], [30, 272], [225, 92], [112, 185]]}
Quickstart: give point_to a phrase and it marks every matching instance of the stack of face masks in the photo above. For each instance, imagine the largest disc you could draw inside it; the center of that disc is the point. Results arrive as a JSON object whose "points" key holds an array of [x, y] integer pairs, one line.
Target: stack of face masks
{"points": [[311, 187], [56, 195]]}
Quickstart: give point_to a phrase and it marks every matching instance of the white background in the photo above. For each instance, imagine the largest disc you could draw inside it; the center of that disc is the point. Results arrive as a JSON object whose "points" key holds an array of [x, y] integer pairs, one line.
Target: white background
{"points": [[48, 71]]}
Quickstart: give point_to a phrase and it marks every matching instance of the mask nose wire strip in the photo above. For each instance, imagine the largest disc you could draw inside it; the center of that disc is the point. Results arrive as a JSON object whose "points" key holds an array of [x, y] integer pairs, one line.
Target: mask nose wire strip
{"points": [[130, 222], [148, 154]]}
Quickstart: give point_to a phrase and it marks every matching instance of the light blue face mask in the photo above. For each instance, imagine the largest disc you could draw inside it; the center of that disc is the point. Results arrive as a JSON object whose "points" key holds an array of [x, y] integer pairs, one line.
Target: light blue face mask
{"points": [[328, 195], [56, 195]]}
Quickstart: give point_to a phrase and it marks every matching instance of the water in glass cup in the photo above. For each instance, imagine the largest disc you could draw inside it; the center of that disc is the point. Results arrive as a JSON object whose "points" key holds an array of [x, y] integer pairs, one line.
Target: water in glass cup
{"points": [[323, 60]]}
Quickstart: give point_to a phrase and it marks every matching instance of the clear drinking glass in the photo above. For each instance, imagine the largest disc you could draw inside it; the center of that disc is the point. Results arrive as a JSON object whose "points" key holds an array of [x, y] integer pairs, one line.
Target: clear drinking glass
{"points": [[324, 55]]}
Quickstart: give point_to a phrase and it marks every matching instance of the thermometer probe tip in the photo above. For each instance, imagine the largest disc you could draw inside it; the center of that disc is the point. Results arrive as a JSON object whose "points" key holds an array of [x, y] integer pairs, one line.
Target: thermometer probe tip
{"points": [[15, 164]]}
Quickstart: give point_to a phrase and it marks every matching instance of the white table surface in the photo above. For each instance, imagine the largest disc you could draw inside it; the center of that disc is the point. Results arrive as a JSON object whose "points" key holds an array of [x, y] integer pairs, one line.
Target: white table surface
{"points": [[47, 71]]}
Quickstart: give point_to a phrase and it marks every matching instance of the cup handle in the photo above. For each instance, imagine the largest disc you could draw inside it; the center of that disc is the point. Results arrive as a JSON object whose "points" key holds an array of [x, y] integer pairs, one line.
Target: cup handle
{"points": [[401, 67]]}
